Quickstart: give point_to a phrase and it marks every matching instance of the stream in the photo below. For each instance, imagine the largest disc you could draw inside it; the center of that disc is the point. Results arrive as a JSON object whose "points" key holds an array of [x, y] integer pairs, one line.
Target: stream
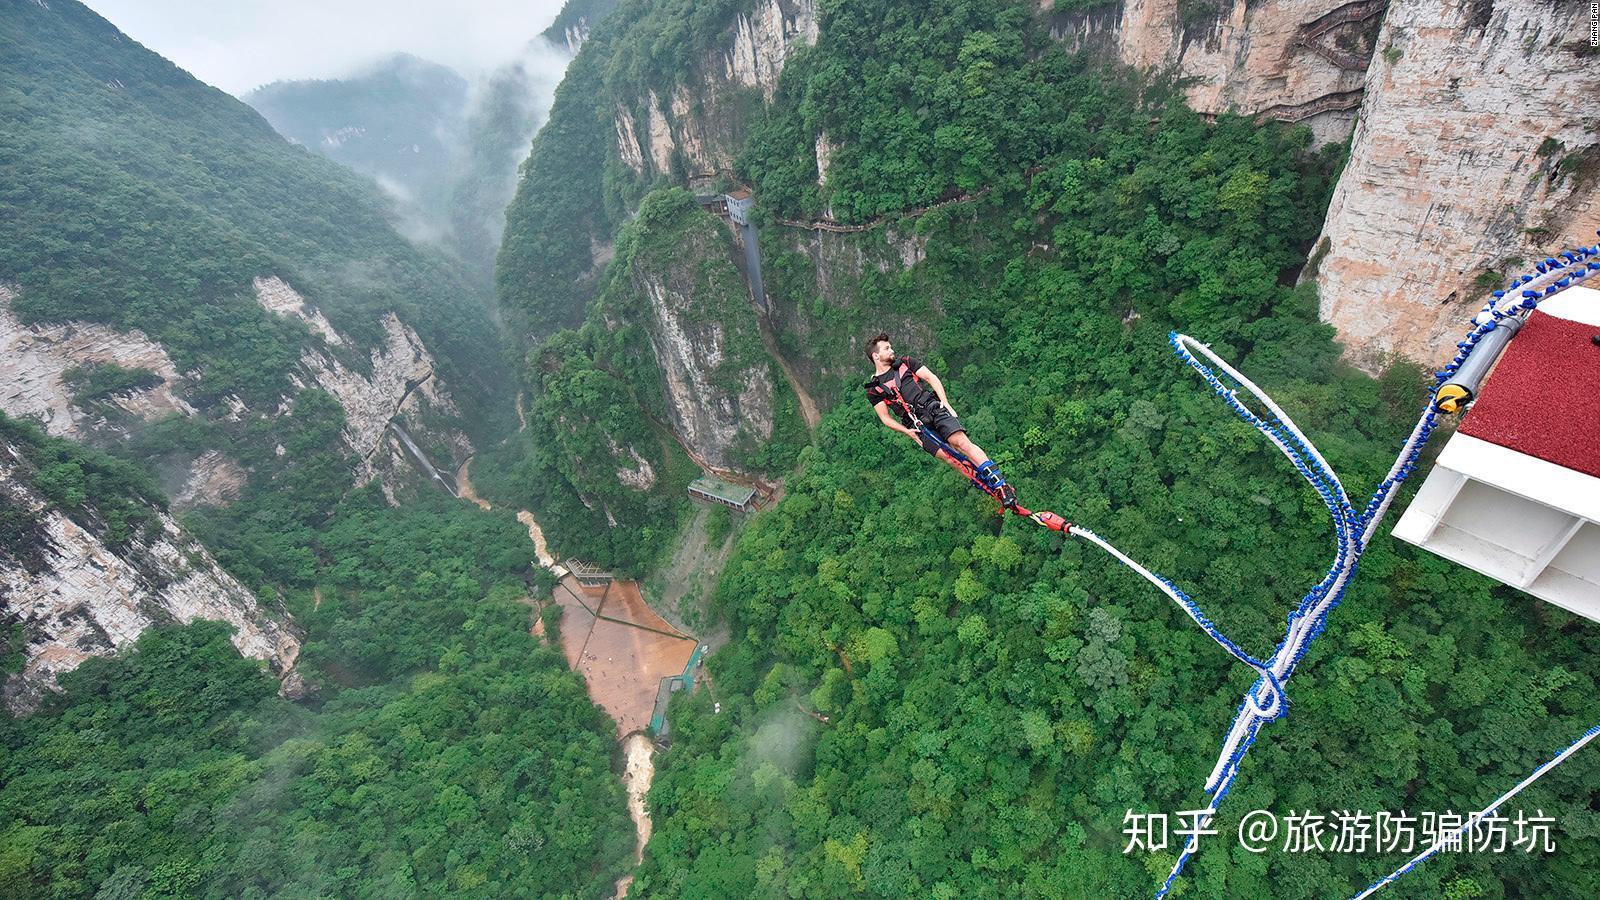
{"points": [[639, 770]]}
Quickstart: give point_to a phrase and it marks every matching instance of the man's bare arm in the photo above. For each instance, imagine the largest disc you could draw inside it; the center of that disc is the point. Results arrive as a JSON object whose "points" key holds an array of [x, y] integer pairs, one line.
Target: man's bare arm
{"points": [[927, 375], [882, 408]]}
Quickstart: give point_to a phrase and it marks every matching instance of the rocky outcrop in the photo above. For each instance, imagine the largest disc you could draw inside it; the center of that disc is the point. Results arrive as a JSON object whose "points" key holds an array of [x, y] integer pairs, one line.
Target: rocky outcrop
{"points": [[400, 378], [1477, 149], [34, 360], [764, 39], [1474, 149], [275, 295], [628, 147], [703, 120], [1280, 59], [639, 474], [825, 151], [87, 599], [573, 36], [718, 381], [397, 376], [707, 413], [817, 320], [213, 480]]}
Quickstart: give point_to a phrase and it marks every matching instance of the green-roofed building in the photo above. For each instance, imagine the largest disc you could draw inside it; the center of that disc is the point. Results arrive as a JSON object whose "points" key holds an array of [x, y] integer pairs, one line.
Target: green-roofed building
{"points": [[715, 490]]}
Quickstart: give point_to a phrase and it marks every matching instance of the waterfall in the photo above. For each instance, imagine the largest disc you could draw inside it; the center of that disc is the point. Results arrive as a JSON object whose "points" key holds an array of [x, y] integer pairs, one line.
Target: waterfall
{"points": [[752, 266], [421, 460]]}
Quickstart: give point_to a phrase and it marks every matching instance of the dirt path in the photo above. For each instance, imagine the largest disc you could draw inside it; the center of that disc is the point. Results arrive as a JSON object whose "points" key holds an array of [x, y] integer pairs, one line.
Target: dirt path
{"points": [[808, 406]]}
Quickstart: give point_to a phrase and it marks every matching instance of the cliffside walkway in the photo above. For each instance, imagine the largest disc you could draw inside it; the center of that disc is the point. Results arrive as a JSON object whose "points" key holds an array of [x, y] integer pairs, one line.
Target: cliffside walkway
{"points": [[1338, 101], [1350, 62], [1357, 11], [835, 227], [1310, 36]]}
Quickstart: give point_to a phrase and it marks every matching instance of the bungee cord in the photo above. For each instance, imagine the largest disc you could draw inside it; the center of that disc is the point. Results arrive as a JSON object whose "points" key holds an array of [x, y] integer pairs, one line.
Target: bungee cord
{"points": [[1267, 698], [1352, 532], [1477, 817]]}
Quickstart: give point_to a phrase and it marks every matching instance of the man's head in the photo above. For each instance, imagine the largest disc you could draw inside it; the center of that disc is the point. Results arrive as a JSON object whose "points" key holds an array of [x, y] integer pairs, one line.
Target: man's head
{"points": [[879, 348]]}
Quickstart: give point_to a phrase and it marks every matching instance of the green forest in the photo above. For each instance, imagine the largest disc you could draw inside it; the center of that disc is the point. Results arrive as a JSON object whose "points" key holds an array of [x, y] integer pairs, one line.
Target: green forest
{"points": [[444, 751], [439, 747], [598, 387], [139, 197], [912, 694], [997, 698]]}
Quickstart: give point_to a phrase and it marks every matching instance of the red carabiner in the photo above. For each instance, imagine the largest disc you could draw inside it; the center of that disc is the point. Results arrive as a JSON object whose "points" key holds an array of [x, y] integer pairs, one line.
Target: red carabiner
{"points": [[1052, 521]]}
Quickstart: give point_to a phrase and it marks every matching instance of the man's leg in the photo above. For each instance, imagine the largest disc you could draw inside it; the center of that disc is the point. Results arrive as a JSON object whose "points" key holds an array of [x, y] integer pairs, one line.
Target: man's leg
{"points": [[951, 461], [971, 451], [987, 472]]}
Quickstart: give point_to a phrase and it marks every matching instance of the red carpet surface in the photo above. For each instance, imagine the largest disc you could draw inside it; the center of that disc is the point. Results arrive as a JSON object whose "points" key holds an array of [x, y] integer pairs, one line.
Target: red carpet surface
{"points": [[1543, 399]]}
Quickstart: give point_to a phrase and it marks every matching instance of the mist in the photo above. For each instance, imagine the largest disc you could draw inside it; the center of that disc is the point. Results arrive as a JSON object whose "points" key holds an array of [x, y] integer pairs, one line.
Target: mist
{"points": [[243, 44]]}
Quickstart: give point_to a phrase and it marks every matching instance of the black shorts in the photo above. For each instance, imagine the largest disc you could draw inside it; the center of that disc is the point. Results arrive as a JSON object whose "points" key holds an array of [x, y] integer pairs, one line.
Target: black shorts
{"points": [[941, 422]]}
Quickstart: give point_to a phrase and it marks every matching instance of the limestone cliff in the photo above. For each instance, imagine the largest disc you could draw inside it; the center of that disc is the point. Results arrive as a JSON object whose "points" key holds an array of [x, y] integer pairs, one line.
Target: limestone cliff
{"points": [[702, 120], [400, 379], [575, 21], [34, 361], [1473, 150], [78, 597], [822, 302], [1478, 148], [1289, 60], [718, 383]]}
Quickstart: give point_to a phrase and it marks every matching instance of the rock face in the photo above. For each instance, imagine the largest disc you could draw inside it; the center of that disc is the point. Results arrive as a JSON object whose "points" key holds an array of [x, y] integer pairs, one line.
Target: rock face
{"points": [[213, 480], [703, 120], [718, 381], [401, 379], [574, 35], [637, 474], [707, 415], [1290, 60], [90, 600], [763, 41], [35, 358], [1477, 149], [85, 598], [819, 321], [1473, 151]]}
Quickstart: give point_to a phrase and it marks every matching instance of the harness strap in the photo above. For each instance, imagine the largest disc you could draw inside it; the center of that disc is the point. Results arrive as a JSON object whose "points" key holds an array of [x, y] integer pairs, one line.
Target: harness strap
{"points": [[1046, 519]]}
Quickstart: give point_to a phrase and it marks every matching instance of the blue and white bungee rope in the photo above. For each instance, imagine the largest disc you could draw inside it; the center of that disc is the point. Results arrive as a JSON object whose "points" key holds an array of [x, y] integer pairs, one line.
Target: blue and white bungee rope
{"points": [[1477, 817], [1267, 698]]}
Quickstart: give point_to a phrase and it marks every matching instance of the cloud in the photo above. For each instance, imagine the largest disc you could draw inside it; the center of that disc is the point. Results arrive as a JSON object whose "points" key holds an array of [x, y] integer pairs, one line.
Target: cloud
{"points": [[242, 44]]}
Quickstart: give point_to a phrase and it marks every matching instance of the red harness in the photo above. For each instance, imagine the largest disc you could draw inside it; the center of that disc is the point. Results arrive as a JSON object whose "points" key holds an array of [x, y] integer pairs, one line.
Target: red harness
{"points": [[891, 391], [1048, 519]]}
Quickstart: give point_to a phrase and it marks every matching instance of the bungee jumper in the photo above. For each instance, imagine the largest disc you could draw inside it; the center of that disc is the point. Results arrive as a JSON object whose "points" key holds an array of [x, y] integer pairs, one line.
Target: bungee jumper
{"points": [[918, 398], [927, 418]]}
